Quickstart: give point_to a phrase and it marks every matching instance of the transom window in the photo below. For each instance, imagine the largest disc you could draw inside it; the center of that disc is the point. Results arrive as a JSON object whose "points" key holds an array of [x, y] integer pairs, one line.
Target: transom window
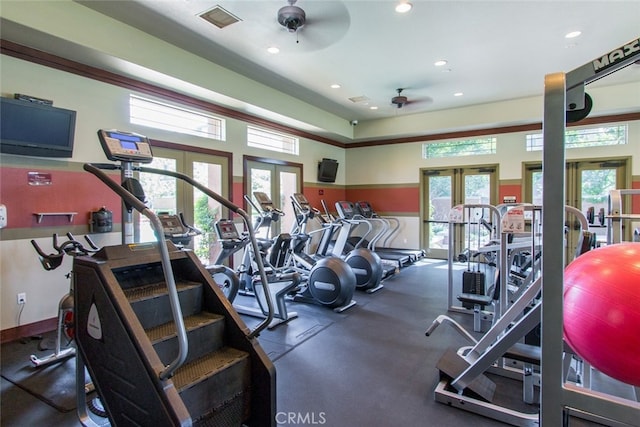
{"points": [[584, 137], [270, 140], [465, 147], [160, 115]]}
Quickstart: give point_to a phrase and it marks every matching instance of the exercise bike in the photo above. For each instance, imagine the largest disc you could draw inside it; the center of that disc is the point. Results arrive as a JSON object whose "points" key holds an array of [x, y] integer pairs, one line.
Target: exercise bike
{"points": [[65, 326]]}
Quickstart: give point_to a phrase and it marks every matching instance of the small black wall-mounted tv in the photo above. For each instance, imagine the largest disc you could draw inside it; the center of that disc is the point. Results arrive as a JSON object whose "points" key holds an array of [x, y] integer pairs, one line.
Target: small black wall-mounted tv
{"points": [[327, 170], [35, 129]]}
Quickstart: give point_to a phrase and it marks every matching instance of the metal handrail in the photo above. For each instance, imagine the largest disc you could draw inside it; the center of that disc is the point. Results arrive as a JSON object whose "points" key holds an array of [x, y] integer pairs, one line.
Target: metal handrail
{"points": [[130, 199], [252, 237]]}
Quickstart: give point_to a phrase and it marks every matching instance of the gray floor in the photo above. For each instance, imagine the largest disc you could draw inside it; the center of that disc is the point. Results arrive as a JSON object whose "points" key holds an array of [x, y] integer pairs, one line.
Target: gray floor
{"points": [[371, 365]]}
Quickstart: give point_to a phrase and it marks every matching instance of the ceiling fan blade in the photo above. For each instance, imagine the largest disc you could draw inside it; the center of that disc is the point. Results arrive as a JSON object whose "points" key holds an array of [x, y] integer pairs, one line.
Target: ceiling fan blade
{"points": [[423, 100]]}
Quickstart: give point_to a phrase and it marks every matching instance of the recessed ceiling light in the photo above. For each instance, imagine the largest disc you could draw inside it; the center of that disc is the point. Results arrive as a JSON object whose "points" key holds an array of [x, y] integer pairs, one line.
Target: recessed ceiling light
{"points": [[458, 94], [572, 34], [403, 7], [335, 86], [273, 50], [440, 63]]}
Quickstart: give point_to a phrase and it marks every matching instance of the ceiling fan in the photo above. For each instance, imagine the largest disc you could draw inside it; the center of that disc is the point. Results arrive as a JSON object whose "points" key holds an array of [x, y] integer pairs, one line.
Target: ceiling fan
{"points": [[292, 17], [399, 100], [318, 25]]}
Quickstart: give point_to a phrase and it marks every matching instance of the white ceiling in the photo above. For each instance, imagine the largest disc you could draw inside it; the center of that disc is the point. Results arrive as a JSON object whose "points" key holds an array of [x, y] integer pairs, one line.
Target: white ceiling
{"points": [[496, 50]]}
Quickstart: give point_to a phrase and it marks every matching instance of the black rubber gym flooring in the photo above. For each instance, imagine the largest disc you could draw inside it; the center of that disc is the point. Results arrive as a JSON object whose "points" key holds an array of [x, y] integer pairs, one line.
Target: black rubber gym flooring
{"points": [[369, 366]]}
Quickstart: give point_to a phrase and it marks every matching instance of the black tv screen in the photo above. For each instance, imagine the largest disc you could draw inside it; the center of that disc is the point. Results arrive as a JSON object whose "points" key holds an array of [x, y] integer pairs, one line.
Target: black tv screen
{"points": [[33, 129], [327, 170]]}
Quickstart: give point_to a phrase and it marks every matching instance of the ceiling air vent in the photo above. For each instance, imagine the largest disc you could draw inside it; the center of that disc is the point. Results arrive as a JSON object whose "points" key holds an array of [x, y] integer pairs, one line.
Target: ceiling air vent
{"points": [[219, 17], [358, 99]]}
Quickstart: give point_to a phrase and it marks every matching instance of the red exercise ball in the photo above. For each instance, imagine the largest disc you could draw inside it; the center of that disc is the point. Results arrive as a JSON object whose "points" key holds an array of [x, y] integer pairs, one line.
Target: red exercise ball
{"points": [[602, 310]]}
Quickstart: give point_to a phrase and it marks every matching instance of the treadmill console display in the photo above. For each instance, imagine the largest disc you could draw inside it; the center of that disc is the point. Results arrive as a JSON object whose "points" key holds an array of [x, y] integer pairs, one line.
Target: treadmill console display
{"points": [[125, 146]]}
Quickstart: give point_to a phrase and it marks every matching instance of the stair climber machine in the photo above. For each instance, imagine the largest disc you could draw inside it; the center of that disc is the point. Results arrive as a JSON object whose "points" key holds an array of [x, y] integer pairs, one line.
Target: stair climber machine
{"points": [[160, 340], [327, 281], [333, 242]]}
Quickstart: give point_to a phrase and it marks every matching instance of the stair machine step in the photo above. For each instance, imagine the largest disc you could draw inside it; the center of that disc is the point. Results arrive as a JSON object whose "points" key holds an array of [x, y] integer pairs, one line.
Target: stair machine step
{"points": [[205, 333], [123, 334], [151, 310], [214, 381], [216, 387]]}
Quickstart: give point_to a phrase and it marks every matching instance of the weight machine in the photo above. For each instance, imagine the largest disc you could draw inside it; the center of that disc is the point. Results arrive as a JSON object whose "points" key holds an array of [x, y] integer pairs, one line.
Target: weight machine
{"points": [[618, 218], [463, 382], [565, 100]]}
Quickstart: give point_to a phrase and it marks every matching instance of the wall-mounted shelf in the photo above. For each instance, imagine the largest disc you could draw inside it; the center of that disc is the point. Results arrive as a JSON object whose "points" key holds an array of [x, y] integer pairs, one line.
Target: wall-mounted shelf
{"points": [[41, 215]]}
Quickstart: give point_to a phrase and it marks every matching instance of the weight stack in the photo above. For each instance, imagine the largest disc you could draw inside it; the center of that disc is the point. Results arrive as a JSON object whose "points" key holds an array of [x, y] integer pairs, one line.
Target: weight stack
{"points": [[472, 283]]}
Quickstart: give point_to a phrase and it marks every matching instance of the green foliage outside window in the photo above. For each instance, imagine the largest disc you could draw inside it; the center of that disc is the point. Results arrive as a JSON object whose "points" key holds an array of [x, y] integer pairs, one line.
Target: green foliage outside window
{"points": [[467, 147], [204, 219], [585, 137]]}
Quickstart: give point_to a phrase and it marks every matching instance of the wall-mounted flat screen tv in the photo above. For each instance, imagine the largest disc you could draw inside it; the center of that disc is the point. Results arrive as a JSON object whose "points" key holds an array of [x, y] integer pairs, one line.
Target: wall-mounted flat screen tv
{"points": [[34, 129], [327, 170]]}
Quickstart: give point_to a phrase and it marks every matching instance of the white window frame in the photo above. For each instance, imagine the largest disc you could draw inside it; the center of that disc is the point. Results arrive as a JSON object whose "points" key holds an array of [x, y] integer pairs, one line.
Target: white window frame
{"points": [[267, 139], [534, 141], [490, 141], [162, 115]]}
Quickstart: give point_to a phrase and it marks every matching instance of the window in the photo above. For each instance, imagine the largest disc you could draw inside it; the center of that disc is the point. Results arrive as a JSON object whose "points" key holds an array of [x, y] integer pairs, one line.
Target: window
{"points": [[159, 115], [274, 141], [466, 147], [585, 137]]}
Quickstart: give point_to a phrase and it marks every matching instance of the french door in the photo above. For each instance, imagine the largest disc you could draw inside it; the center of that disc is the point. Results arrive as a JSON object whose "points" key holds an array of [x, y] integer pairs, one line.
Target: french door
{"points": [[279, 180], [172, 196], [444, 188], [587, 185]]}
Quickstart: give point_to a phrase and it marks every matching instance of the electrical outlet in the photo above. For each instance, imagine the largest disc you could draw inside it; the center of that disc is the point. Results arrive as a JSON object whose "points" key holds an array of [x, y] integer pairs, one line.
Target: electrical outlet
{"points": [[22, 298]]}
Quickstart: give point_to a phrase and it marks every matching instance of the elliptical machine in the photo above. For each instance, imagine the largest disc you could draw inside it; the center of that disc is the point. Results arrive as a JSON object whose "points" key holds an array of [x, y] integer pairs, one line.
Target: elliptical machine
{"points": [[366, 265], [180, 233], [326, 281], [280, 284]]}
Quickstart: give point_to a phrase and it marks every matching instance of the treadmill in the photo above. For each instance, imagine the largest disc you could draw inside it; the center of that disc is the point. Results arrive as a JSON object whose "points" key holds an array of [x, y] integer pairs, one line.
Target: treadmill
{"points": [[347, 210]]}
